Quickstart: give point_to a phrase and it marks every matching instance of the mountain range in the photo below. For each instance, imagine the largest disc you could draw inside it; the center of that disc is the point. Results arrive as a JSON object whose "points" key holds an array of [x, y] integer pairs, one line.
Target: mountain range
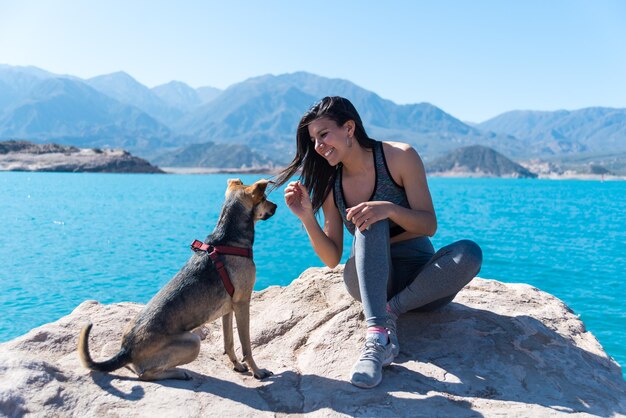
{"points": [[262, 113], [210, 154], [592, 130]]}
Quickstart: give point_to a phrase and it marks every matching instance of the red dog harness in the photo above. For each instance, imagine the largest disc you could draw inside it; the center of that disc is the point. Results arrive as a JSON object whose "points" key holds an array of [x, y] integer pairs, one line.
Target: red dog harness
{"points": [[214, 251]]}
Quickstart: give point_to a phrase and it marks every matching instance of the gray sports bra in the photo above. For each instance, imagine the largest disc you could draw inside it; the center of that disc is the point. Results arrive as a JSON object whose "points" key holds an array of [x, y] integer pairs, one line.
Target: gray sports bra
{"points": [[385, 188]]}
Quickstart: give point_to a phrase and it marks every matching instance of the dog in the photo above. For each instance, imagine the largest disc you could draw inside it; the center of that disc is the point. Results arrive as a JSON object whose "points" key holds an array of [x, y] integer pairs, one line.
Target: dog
{"points": [[162, 335]]}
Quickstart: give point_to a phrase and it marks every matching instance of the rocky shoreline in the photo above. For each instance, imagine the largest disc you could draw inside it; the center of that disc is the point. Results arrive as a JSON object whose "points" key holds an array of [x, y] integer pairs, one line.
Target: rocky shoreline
{"points": [[28, 156], [497, 350], [568, 175], [478, 161], [469, 162]]}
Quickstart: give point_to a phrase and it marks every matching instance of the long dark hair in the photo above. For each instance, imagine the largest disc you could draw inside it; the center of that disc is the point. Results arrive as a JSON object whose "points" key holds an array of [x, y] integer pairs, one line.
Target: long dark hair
{"points": [[317, 175]]}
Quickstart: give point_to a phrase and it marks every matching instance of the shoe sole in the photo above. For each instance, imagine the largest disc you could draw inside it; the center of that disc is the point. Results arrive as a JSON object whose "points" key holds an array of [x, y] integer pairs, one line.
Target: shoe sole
{"points": [[364, 385]]}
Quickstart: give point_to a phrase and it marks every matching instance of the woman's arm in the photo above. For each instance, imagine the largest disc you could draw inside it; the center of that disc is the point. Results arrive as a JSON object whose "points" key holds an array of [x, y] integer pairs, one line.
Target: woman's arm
{"points": [[420, 219], [327, 243]]}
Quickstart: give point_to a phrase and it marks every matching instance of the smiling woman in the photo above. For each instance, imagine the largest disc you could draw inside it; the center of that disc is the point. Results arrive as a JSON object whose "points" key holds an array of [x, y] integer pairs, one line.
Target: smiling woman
{"points": [[378, 190]]}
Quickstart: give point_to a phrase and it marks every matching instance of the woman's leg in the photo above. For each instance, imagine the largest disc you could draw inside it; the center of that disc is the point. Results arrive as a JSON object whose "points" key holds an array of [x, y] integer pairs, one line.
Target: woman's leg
{"points": [[366, 276], [366, 273], [447, 272], [408, 258]]}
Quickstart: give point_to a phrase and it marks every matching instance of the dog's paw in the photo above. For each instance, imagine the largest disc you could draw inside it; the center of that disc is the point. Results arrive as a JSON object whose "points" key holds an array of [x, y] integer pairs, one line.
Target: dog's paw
{"points": [[201, 332], [240, 367], [262, 374], [186, 376]]}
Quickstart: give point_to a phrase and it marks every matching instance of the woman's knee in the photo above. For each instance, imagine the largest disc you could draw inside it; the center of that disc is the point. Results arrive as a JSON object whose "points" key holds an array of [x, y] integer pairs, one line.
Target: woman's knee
{"points": [[468, 254]]}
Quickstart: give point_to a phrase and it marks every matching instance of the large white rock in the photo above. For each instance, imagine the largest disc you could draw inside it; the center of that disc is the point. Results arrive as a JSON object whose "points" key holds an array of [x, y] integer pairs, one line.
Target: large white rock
{"points": [[497, 350]]}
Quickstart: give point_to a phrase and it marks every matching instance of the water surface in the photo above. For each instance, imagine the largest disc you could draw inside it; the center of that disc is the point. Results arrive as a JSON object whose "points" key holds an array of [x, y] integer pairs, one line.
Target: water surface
{"points": [[68, 237]]}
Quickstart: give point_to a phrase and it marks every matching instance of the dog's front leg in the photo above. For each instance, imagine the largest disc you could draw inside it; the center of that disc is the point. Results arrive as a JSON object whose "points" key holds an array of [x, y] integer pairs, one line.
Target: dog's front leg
{"points": [[242, 316], [229, 346]]}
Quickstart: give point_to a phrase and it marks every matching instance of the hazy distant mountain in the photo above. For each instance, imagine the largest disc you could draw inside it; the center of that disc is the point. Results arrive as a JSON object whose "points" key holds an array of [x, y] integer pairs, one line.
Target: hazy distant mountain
{"points": [[23, 79], [477, 160], [178, 95], [16, 83], [69, 111], [126, 89], [8, 94], [374, 110], [590, 130], [263, 116], [213, 155], [263, 112], [207, 93]]}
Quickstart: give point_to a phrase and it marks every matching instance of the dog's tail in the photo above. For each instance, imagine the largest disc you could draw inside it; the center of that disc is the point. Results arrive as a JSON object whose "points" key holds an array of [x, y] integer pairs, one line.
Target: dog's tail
{"points": [[121, 359]]}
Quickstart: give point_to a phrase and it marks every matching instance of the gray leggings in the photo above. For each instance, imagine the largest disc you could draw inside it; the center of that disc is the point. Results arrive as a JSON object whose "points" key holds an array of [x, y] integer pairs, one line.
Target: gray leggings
{"points": [[408, 274]]}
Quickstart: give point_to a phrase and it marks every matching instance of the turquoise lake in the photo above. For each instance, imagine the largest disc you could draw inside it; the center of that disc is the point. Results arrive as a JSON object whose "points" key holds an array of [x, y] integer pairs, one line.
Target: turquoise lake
{"points": [[66, 238]]}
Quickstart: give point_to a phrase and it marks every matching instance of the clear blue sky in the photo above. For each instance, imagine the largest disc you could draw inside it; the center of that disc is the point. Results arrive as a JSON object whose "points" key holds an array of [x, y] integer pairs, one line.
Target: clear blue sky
{"points": [[474, 59]]}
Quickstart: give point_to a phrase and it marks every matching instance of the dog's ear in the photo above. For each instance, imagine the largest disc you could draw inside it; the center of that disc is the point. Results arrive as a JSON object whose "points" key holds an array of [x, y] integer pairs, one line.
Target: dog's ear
{"points": [[234, 182], [257, 190]]}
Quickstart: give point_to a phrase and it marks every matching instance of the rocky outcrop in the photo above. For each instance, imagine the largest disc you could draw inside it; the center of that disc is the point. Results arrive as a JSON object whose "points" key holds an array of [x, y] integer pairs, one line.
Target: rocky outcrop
{"points": [[477, 161], [28, 156], [497, 350]]}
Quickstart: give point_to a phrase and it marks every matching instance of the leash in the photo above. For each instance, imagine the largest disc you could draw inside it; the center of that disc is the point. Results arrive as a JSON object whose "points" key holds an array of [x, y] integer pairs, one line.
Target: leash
{"points": [[214, 251]]}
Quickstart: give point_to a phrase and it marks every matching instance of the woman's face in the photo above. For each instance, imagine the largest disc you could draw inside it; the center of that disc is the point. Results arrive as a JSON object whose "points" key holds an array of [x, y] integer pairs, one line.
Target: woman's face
{"points": [[330, 139]]}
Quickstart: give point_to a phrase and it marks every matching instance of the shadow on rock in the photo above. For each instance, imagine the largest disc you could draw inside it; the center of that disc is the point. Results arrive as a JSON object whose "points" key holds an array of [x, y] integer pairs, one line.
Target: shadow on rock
{"points": [[504, 358], [292, 393], [104, 381]]}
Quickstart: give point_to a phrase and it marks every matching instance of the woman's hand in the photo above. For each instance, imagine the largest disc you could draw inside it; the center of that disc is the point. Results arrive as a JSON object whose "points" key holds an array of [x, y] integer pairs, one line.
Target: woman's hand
{"points": [[298, 200], [366, 213]]}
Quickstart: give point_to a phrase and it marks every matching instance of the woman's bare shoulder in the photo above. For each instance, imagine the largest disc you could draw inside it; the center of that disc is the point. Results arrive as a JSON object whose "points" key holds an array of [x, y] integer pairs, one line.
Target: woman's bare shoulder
{"points": [[399, 151]]}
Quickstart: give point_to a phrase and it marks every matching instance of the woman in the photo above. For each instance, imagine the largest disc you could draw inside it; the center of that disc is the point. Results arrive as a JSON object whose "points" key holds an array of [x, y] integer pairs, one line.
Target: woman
{"points": [[378, 190]]}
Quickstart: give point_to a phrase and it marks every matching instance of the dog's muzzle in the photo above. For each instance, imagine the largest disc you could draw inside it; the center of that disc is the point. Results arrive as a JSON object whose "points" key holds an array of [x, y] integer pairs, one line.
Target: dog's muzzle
{"points": [[270, 212]]}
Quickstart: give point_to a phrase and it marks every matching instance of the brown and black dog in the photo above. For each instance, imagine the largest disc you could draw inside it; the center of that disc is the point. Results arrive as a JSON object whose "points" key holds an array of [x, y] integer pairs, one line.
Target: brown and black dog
{"points": [[160, 338]]}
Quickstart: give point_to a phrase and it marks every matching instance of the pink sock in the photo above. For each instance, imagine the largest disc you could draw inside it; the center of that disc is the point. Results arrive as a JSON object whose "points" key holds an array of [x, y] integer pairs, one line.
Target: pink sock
{"points": [[380, 333]]}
